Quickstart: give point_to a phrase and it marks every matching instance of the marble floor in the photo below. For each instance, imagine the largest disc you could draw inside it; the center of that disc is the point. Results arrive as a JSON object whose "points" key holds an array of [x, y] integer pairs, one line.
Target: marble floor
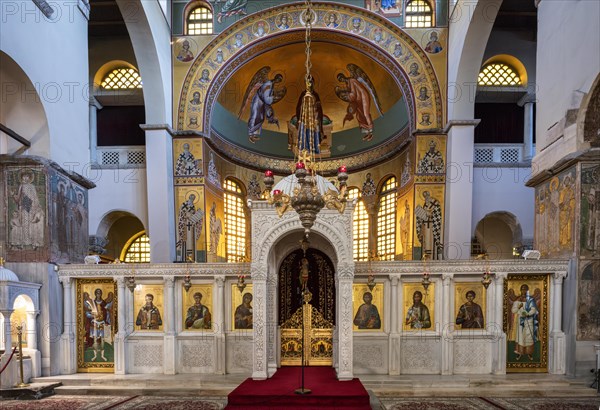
{"points": [[203, 391]]}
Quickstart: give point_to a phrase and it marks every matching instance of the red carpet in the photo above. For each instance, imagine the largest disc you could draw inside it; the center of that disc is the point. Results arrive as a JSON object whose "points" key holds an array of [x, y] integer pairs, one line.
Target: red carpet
{"points": [[278, 391]]}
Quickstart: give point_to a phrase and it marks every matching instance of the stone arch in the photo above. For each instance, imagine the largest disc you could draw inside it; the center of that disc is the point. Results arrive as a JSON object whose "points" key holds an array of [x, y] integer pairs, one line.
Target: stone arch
{"points": [[117, 227], [588, 118], [22, 110], [471, 24], [233, 59], [498, 233], [151, 44], [341, 246]]}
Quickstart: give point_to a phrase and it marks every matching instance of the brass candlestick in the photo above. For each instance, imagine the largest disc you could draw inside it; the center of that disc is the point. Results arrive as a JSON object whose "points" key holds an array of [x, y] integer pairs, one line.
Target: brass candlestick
{"points": [[20, 336]]}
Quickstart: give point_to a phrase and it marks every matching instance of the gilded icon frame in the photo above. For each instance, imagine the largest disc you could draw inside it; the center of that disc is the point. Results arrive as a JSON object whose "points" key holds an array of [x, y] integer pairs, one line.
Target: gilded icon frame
{"points": [[408, 290], [139, 300], [460, 290], [236, 301], [358, 290], [537, 361], [88, 287], [188, 301]]}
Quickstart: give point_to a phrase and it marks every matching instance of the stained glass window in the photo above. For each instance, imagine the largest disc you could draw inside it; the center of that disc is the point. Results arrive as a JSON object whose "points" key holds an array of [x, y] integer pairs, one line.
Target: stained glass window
{"points": [[235, 221], [386, 220]]}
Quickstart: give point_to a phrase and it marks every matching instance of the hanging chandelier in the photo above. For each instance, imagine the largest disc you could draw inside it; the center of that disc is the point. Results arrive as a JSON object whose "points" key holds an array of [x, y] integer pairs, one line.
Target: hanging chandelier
{"points": [[305, 191]]}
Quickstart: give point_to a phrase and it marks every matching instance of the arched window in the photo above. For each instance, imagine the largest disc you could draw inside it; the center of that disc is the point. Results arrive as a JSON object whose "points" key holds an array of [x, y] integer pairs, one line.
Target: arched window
{"points": [[137, 249], [235, 221], [199, 21], [418, 14], [499, 74], [124, 78], [386, 220], [360, 227]]}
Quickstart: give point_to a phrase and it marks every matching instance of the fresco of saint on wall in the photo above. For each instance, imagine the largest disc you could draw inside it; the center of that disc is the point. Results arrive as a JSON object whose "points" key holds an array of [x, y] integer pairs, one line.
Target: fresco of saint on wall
{"points": [[590, 211], [588, 309], [26, 221]]}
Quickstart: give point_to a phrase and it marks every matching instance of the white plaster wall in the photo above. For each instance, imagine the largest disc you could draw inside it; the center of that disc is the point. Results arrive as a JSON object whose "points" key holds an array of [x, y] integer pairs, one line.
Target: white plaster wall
{"points": [[53, 54], [503, 189], [568, 59], [117, 189]]}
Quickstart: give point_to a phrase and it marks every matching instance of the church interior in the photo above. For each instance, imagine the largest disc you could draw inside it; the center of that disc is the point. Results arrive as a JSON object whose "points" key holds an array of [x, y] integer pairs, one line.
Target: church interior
{"points": [[394, 191]]}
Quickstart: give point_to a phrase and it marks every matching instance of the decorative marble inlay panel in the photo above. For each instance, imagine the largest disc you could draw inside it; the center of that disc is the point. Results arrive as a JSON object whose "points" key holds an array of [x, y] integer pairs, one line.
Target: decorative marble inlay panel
{"points": [[369, 355], [241, 355], [420, 355], [148, 356], [472, 356], [199, 354]]}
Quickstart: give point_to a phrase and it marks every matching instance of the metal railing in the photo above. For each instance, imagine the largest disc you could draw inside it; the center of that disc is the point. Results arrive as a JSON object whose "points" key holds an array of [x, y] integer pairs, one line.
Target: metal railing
{"points": [[499, 153]]}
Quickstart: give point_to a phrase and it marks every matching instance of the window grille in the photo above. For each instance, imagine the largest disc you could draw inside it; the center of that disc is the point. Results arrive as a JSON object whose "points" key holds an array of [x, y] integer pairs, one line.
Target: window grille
{"points": [[122, 79], [419, 14], [386, 220], [235, 222], [498, 74], [200, 21]]}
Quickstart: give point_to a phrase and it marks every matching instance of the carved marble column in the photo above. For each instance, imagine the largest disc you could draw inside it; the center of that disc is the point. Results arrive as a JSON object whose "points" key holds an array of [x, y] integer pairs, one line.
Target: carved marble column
{"points": [[6, 313], [344, 322], [557, 348], [447, 326], [119, 345], [67, 340], [169, 326], [496, 327], [259, 316], [394, 363], [32, 351], [272, 325], [219, 325]]}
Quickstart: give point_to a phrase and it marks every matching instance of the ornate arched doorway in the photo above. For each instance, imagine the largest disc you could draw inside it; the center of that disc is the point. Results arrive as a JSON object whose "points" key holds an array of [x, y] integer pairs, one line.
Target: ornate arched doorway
{"points": [[316, 313]]}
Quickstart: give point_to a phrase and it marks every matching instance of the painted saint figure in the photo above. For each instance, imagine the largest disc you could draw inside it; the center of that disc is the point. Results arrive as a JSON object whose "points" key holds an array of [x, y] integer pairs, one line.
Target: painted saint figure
{"points": [[367, 315], [27, 223], [429, 226], [432, 162], [262, 93], [433, 46], [98, 322], [185, 54], [525, 322], [216, 229], [198, 316], [187, 164], [189, 228], [417, 316], [357, 91], [405, 229], [148, 317], [306, 140], [232, 7], [470, 315], [243, 313]]}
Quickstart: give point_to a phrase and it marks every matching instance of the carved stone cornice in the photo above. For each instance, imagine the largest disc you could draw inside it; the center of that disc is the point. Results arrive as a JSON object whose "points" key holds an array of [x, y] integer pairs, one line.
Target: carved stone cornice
{"points": [[415, 268], [142, 270]]}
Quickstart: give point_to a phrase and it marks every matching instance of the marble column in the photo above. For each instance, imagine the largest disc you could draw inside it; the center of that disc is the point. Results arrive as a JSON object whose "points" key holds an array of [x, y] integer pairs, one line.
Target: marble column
{"points": [[169, 327], [259, 316], [528, 131], [94, 107], [496, 327], [394, 352], [67, 340], [35, 354], [344, 315], [161, 213], [447, 327], [6, 313], [119, 344], [219, 326], [458, 206], [557, 361]]}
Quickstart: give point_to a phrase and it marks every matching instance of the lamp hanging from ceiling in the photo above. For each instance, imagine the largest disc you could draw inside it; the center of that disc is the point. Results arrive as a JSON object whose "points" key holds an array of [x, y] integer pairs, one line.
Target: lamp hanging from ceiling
{"points": [[306, 191]]}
